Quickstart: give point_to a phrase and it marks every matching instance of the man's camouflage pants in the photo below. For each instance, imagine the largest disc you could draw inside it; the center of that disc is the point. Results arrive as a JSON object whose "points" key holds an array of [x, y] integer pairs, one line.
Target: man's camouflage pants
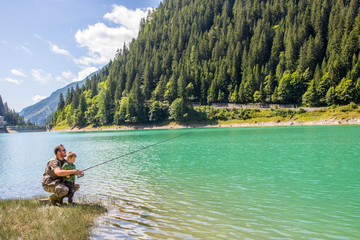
{"points": [[60, 190]]}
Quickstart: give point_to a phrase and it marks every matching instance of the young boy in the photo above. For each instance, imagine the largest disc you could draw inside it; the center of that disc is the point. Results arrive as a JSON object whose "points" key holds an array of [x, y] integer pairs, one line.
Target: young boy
{"points": [[69, 181]]}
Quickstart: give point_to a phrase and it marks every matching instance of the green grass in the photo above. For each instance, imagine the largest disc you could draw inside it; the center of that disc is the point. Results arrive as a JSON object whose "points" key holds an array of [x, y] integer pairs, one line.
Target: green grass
{"points": [[284, 115], [208, 115], [30, 219]]}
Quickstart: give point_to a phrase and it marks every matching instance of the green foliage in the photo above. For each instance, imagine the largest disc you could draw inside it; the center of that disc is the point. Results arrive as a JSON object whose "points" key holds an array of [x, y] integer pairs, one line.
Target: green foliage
{"points": [[2, 107], [348, 108], [301, 52], [158, 112], [122, 113], [291, 88], [10, 116], [61, 103], [330, 96], [344, 91], [310, 97], [179, 110]]}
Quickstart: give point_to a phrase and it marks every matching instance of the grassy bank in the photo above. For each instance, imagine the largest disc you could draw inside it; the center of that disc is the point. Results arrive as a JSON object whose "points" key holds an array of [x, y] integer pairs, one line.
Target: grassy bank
{"points": [[30, 219], [300, 116], [205, 116]]}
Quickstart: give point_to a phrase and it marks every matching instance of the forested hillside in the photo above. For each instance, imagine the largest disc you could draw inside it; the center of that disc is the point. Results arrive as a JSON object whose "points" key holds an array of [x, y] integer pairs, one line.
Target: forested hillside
{"points": [[10, 116], [304, 52]]}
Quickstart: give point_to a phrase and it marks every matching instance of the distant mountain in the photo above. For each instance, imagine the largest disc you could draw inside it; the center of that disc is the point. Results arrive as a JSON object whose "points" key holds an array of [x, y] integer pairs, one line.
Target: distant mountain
{"points": [[38, 112]]}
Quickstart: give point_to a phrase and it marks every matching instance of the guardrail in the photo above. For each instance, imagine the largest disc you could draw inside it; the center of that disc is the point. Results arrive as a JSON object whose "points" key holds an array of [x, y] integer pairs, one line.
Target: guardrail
{"points": [[26, 129]]}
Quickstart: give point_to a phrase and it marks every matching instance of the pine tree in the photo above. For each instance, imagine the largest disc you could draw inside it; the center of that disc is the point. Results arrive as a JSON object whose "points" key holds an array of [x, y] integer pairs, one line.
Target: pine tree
{"points": [[61, 103], [2, 108], [80, 119], [310, 97]]}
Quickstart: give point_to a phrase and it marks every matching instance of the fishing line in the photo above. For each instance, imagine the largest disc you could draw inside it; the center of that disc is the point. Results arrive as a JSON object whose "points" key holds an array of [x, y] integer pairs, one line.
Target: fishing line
{"points": [[138, 150]]}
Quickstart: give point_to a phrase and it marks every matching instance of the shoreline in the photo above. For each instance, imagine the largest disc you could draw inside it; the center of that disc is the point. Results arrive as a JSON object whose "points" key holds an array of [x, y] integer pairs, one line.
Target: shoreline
{"points": [[322, 122]]}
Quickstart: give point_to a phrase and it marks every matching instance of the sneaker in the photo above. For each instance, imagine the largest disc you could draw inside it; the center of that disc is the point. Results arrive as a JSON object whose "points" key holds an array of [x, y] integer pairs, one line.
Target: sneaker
{"points": [[44, 200]]}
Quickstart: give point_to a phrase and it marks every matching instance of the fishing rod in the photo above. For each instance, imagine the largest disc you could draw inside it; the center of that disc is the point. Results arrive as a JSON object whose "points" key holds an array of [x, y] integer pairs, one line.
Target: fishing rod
{"points": [[132, 152]]}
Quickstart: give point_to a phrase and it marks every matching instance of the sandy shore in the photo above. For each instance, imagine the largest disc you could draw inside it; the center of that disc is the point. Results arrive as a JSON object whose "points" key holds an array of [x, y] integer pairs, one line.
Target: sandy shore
{"points": [[198, 125]]}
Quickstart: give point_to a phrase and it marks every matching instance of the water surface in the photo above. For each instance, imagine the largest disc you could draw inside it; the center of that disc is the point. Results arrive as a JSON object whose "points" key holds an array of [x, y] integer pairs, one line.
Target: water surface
{"points": [[226, 183]]}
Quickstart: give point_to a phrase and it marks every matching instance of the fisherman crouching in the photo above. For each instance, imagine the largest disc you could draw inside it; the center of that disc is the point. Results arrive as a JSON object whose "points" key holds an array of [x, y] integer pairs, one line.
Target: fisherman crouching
{"points": [[53, 175]]}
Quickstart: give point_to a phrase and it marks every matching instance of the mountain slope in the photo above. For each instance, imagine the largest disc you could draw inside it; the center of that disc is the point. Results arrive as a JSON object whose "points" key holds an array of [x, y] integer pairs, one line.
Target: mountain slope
{"points": [[38, 112], [303, 52]]}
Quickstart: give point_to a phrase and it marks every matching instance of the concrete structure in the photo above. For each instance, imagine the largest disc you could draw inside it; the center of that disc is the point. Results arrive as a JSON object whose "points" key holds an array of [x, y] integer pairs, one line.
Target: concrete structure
{"points": [[3, 125], [17, 129]]}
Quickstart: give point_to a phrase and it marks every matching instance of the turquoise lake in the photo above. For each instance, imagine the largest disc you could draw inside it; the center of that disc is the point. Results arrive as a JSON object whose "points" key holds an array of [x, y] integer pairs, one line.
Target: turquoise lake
{"points": [[298, 182]]}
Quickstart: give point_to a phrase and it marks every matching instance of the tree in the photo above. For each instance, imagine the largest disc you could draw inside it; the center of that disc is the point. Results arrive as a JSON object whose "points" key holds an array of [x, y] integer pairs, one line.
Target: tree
{"points": [[147, 79], [344, 92], [135, 111], [290, 88], [69, 95], [158, 112], [212, 94], [2, 108], [80, 119], [104, 114], [310, 97], [330, 96], [122, 112], [178, 110], [257, 96], [171, 90], [159, 91], [61, 103]]}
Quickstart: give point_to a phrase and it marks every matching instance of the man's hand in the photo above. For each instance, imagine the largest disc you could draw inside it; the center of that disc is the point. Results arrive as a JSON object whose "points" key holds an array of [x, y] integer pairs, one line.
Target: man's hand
{"points": [[79, 172]]}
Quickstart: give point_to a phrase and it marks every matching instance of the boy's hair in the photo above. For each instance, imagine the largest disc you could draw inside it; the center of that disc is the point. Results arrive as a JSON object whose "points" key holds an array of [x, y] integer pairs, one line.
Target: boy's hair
{"points": [[71, 155]]}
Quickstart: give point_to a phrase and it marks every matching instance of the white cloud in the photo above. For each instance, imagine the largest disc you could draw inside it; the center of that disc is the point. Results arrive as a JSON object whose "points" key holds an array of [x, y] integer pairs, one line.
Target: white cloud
{"points": [[65, 77], [53, 47], [68, 76], [103, 41], [38, 98], [128, 18], [25, 49], [11, 80], [84, 73], [58, 50], [41, 76], [18, 72]]}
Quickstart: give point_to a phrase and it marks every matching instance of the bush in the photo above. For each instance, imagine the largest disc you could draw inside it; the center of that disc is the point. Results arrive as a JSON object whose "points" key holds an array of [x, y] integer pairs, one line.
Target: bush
{"points": [[178, 110], [301, 110], [158, 112], [349, 107]]}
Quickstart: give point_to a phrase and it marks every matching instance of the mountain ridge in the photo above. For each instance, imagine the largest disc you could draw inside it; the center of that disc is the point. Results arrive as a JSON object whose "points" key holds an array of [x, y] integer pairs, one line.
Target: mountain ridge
{"points": [[38, 112]]}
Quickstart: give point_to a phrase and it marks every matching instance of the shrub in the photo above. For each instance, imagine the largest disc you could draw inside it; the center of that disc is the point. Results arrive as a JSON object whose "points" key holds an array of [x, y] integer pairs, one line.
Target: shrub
{"points": [[301, 110]]}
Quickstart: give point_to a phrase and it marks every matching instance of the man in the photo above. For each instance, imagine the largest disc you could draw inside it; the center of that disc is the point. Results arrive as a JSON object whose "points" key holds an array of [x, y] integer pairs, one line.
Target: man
{"points": [[53, 174]]}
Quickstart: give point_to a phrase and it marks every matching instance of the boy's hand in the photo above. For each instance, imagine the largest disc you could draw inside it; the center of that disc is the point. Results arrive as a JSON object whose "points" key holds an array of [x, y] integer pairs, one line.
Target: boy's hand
{"points": [[68, 176]]}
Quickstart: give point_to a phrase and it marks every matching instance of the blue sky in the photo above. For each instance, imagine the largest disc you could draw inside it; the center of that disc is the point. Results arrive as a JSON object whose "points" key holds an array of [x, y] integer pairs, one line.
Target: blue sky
{"points": [[46, 44]]}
